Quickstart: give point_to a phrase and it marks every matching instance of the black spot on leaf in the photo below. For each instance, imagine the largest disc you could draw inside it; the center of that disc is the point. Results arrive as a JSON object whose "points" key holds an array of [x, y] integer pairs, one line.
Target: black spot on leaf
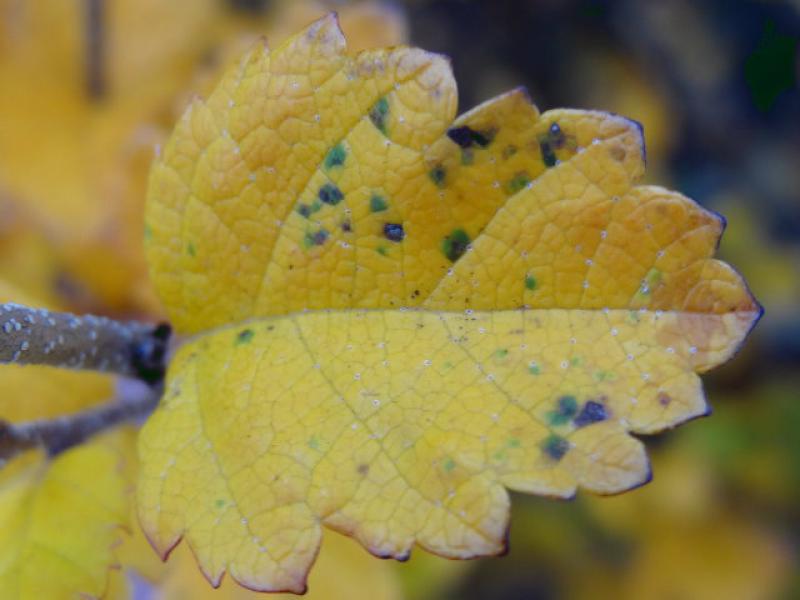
{"points": [[466, 137], [592, 412], [555, 447], [393, 232], [548, 155], [330, 194]]}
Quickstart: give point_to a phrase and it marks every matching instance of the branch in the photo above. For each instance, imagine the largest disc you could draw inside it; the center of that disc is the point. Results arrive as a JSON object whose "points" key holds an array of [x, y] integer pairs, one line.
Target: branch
{"points": [[95, 48], [135, 401], [31, 336]]}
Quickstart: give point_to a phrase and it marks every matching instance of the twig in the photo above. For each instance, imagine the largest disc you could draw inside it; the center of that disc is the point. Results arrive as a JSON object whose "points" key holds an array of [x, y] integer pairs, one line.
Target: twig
{"points": [[135, 401], [95, 48], [31, 336]]}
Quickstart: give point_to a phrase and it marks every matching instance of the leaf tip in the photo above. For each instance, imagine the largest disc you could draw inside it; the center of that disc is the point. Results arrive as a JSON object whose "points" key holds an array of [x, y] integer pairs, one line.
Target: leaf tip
{"points": [[298, 588], [162, 550], [327, 32]]}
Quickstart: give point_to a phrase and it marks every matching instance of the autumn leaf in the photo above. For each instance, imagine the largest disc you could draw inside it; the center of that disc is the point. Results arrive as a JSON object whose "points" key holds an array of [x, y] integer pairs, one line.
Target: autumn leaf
{"points": [[397, 317], [342, 570], [59, 521]]}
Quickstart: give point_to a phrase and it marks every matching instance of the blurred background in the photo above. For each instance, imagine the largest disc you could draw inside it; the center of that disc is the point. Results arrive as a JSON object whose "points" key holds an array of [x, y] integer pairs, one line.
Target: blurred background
{"points": [[88, 88]]}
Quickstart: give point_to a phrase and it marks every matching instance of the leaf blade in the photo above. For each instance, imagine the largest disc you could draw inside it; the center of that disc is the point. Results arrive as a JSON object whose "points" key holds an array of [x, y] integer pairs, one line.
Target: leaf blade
{"points": [[404, 316]]}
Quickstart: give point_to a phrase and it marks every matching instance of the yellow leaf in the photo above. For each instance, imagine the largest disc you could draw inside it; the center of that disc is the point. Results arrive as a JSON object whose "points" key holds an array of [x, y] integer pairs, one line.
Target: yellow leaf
{"points": [[60, 142], [399, 317], [342, 571], [58, 523]]}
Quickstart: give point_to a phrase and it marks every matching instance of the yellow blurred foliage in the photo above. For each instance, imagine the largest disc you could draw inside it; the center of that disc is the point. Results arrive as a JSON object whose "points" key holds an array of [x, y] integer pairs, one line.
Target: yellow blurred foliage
{"points": [[59, 521], [687, 541]]}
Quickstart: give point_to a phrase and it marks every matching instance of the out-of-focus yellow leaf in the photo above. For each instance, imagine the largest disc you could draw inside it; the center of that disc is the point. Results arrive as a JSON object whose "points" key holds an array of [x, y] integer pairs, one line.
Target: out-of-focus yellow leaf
{"points": [[400, 316], [686, 543], [428, 576], [59, 143], [59, 521], [342, 571], [111, 262], [366, 23], [28, 258], [55, 138], [619, 85], [773, 267], [729, 558], [32, 392]]}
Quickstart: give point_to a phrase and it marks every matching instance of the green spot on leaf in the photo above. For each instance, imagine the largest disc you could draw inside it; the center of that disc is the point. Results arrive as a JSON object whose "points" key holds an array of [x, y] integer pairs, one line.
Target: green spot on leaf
{"points": [[148, 233], [567, 408], [455, 244], [336, 156], [245, 336], [513, 443], [191, 249], [377, 203], [437, 175], [519, 181], [379, 114], [534, 369], [313, 443], [530, 282], [382, 250], [219, 503], [306, 210], [604, 376], [316, 238], [449, 464]]}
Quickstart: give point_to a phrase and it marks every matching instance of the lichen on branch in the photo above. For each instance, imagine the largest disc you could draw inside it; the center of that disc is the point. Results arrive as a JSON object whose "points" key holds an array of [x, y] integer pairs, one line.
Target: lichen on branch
{"points": [[133, 401], [30, 336]]}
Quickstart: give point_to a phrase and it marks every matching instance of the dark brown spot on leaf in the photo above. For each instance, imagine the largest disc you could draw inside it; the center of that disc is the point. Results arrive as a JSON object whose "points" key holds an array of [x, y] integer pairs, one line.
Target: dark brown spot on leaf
{"points": [[617, 152]]}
